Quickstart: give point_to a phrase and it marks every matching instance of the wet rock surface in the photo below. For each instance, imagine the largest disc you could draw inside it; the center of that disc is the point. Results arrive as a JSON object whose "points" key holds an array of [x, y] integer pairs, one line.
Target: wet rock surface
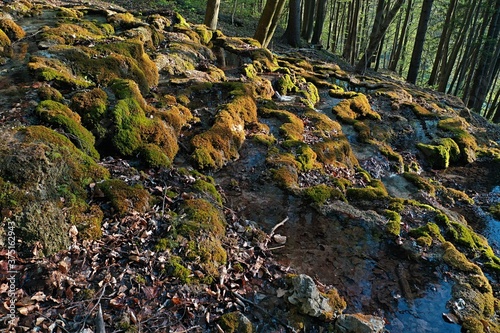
{"points": [[184, 188]]}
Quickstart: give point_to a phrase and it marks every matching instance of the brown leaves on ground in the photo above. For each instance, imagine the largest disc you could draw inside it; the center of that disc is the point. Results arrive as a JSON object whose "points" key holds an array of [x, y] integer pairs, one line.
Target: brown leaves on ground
{"points": [[124, 274]]}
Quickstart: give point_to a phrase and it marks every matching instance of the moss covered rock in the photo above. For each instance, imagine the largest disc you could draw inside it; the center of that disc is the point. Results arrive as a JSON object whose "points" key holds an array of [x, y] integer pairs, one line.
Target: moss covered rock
{"points": [[125, 198], [44, 179], [59, 115]]}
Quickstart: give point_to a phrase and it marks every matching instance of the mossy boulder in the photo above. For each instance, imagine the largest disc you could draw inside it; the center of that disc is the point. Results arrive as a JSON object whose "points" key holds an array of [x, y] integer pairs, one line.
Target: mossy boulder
{"points": [[441, 154], [47, 92], [235, 322], [466, 141], [44, 181], [125, 198], [5, 44], [132, 129], [56, 71], [12, 29], [60, 116], [221, 143], [355, 107], [92, 106]]}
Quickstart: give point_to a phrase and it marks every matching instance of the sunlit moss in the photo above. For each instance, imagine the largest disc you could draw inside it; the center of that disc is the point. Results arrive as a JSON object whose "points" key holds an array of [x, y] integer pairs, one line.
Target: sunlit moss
{"points": [[125, 198], [374, 191], [321, 193], [59, 115], [12, 29], [393, 225], [458, 260]]}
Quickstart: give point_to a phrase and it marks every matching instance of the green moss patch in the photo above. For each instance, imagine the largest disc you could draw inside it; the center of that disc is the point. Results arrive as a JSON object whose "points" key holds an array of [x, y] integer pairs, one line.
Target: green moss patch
{"points": [[59, 115], [123, 197], [441, 154], [44, 181], [353, 108], [221, 143]]}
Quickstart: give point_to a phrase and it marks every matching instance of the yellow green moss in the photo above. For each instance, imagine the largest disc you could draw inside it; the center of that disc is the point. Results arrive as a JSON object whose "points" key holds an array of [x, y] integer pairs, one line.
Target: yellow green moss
{"points": [[353, 108], [202, 215], [420, 182], [234, 322], [319, 194], [178, 270], [285, 85], [441, 154], [175, 114], [12, 29], [44, 184], [122, 20], [5, 45], [466, 141], [69, 13], [68, 33], [393, 226], [49, 93], [336, 151], [420, 111], [123, 197], [458, 260], [132, 128], [49, 69], [208, 188], [92, 107], [59, 115], [310, 93], [221, 143], [153, 156], [374, 191]]}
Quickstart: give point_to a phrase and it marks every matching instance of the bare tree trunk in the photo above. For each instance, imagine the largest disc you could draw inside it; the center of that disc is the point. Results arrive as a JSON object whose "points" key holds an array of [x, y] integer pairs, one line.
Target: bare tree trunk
{"points": [[452, 59], [268, 21], [418, 47], [212, 14], [488, 60], [320, 21], [292, 33], [383, 19], [351, 37], [444, 41]]}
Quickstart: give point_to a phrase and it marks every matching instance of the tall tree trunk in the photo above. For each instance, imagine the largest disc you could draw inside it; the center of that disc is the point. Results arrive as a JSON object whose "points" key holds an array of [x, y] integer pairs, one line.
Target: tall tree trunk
{"points": [[268, 21], [308, 21], [383, 19], [483, 76], [444, 41], [330, 25], [349, 52], [418, 47], [320, 21], [292, 33], [458, 44], [396, 55], [212, 14]]}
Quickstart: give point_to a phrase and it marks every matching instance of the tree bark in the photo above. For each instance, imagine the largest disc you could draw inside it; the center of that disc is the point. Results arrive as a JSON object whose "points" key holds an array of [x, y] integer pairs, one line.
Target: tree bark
{"points": [[292, 33], [212, 14], [308, 21], [488, 60], [268, 21], [418, 47], [320, 21], [382, 21]]}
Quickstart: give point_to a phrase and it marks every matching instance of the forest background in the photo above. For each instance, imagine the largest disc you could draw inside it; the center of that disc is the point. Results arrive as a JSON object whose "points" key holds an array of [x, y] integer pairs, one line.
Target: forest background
{"points": [[451, 46]]}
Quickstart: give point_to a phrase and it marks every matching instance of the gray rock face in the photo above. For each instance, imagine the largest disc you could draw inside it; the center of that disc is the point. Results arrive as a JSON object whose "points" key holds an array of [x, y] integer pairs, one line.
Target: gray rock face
{"points": [[305, 294], [359, 323]]}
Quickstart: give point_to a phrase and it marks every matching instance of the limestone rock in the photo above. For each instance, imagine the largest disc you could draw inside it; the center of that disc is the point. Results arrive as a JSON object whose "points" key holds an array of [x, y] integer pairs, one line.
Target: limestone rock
{"points": [[235, 322], [359, 323], [305, 294]]}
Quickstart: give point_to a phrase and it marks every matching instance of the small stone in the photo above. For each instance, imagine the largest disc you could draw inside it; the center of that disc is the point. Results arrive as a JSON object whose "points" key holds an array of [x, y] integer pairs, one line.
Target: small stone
{"points": [[305, 294], [359, 323]]}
